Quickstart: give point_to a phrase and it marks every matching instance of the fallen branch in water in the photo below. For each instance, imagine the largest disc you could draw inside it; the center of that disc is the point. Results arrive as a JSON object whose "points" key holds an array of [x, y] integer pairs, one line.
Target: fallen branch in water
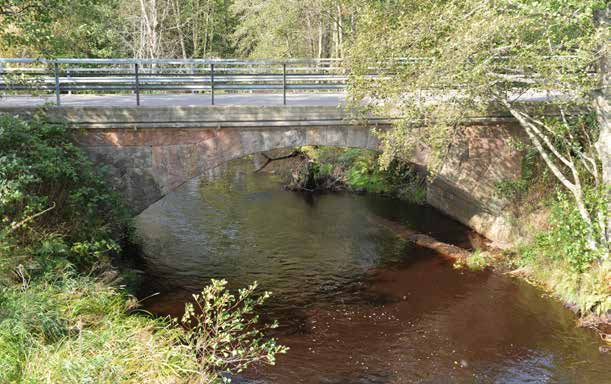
{"points": [[448, 250], [270, 159]]}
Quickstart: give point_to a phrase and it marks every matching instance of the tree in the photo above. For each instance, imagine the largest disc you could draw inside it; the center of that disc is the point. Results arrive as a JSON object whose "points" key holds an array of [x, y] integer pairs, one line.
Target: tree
{"points": [[178, 28], [60, 28], [297, 29], [468, 56]]}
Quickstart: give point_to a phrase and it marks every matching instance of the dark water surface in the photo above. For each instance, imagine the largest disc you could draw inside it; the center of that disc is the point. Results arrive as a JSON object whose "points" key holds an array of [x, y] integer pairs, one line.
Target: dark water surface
{"points": [[356, 304]]}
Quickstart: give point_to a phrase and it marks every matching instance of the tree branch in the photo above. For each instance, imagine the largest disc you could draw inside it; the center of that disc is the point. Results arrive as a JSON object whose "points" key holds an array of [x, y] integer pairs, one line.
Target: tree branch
{"points": [[14, 227], [270, 159]]}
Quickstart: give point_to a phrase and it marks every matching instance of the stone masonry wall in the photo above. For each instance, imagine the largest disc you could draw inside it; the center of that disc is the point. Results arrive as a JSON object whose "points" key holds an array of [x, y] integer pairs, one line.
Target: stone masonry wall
{"points": [[466, 185], [146, 164]]}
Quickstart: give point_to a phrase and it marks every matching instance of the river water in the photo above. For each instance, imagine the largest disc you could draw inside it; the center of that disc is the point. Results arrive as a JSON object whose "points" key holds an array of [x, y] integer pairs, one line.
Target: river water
{"points": [[355, 303]]}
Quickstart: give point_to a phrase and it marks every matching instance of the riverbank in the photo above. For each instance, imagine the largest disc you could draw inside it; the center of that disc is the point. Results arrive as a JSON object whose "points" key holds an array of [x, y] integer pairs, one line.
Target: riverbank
{"points": [[66, 314]]}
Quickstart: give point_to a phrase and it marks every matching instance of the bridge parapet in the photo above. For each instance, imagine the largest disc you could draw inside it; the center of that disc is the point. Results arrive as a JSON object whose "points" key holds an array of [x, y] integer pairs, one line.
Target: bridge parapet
{"points": [[197, 116]]}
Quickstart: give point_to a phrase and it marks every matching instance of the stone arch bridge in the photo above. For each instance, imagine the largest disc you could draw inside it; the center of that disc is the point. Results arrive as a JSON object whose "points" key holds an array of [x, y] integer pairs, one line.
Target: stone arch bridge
{"points": [[152, 150]]}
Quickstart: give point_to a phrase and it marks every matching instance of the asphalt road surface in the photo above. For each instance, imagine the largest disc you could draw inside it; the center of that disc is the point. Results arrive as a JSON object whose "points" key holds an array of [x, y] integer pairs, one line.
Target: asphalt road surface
{"points": [[315, 99]]}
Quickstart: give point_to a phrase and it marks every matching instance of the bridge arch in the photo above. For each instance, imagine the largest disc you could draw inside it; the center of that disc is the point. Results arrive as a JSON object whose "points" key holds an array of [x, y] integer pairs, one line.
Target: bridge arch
{"points": [[146, 164]]}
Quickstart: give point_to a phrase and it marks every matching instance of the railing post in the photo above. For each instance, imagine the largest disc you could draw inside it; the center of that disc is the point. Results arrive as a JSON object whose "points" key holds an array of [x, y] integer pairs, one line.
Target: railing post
{"points": [[136, 68], [1, 75], [212, 82], [69, 79], [284, 83], [56, 71]]}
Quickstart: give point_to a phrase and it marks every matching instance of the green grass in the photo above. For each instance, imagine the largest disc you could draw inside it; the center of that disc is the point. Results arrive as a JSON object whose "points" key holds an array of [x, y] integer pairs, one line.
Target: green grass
{"points": [[478, 260], [587, 291], [76, 329]]}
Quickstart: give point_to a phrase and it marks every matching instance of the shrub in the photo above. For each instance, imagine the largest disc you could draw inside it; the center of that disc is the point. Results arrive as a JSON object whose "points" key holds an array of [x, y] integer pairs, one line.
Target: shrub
{"points": [[54, 203], [478, 260], [224, 330], [561, 259], [566, 240]]}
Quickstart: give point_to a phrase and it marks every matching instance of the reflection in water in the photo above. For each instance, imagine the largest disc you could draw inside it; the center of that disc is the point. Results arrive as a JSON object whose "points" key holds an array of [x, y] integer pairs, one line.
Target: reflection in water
{"points": [[356, 304]]}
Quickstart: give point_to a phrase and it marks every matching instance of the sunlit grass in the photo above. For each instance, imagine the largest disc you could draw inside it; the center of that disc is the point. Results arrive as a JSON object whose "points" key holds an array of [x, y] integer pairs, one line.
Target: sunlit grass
{"points": [[589, 292], [77, 330]]}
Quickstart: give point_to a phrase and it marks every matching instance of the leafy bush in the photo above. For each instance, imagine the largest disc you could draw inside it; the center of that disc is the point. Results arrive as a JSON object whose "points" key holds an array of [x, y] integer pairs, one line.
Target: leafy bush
{"points": [[363, 175], [224, 332], [54, 203], [566, 239]]}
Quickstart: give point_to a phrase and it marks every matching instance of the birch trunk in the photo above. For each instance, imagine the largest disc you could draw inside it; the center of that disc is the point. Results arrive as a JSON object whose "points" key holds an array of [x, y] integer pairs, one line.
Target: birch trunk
{"points": [[603, 111]]}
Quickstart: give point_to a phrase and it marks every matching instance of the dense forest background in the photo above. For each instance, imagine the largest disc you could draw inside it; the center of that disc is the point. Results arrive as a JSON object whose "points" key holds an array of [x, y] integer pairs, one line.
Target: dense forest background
{"points": [[177, 28]]}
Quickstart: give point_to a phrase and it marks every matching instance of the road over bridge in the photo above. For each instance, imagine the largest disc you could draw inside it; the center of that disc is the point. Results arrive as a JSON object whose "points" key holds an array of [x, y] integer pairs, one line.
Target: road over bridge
{"points": [[334, 99]]}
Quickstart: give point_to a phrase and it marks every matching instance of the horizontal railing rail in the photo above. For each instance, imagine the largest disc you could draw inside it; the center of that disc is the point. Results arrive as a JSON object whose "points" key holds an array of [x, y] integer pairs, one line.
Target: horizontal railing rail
{"points": [[63, 76]]}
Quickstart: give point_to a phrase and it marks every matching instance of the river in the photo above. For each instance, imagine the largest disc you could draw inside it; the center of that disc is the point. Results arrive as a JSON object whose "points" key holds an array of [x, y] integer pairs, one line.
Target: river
{"points": [[355, 303]]}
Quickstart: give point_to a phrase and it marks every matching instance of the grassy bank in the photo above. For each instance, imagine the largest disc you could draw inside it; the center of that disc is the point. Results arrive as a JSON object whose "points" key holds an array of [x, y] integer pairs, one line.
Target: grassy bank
{"points": [[75, 329], [65, 312], [558, 259], [553, 252]]}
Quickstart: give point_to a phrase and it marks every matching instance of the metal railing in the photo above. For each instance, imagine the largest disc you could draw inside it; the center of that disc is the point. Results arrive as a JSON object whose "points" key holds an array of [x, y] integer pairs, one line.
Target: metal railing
{"points": [[135, 76], [140, 76]]}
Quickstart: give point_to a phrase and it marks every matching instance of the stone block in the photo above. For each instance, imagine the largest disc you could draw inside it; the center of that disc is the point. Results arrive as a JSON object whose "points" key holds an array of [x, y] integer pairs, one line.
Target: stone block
{"points": [[121, 157], [252, 141], [230, 144], [335, 135], [275, 138], [357, 136], [315, 136]]}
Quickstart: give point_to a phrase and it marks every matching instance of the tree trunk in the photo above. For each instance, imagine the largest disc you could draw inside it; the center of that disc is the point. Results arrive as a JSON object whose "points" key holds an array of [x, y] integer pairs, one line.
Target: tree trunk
{"points": [[320, 37], [603, 111], [179, 30], [444, 249], [573, 186], [340, 32]]}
